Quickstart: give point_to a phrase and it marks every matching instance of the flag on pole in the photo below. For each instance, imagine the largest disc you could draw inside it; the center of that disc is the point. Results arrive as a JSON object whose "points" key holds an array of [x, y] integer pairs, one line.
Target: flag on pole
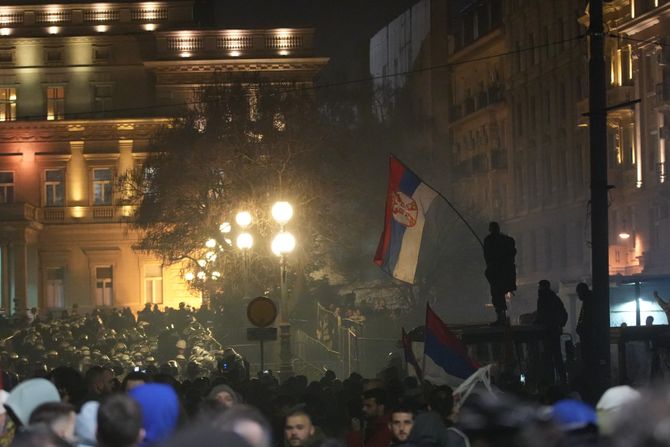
{"points": [[446, 361], [407, 201], [410, 358]]}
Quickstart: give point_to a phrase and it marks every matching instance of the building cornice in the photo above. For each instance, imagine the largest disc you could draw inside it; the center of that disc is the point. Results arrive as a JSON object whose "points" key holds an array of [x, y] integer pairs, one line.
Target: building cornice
{"points": [[645, 21], [238, 65]]}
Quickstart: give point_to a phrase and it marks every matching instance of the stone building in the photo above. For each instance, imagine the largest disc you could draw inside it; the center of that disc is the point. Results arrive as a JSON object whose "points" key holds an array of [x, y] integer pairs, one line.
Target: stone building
{"points": [[83, 87]]}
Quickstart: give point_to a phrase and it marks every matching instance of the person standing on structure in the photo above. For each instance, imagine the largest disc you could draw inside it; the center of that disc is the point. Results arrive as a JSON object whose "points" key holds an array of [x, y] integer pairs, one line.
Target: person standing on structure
{"points": [[499, 253]]}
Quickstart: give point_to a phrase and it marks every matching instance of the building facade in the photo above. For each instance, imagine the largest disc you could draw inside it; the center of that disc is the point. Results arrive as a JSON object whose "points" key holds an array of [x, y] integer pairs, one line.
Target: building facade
{"points": [[518, 137], [83, 89]]}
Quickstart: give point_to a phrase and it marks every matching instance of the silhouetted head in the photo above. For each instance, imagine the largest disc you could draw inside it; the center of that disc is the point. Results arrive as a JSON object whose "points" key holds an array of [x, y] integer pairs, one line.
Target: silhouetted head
{"points": [[582, 290], [494, 228], [544, 285]]}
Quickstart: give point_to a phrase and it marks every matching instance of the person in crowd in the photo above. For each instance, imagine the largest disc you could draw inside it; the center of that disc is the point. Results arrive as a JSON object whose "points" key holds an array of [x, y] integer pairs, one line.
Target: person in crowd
{"points": [[99, 382], [160, 411], [86, 426], [298, 427], [609, 408], [578, 421], [60, 417], [38, 436], [551, 315], [27, 396], [224, 395], [585, 326], [499, 254], [400, 423], [247, 422], [375, 431], [134, 379], [119, 422]]}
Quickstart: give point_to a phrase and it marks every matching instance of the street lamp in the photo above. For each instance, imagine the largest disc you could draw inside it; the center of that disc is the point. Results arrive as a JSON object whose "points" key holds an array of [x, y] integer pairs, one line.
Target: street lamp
{"points": [[283, 244]]}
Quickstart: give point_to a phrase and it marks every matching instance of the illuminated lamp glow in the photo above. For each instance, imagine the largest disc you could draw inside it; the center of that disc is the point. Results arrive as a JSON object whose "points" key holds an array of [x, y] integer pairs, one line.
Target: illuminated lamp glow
{"points": [[5, 31], [283, 52], [243, 219], [150, 27], [216, 275], [185, 54], [624, 235], [235, 53], [202, 262], [202, 275], [211, 243], [77, 212], [225, 227], [102, 28], [189, 276], [53, 30]]}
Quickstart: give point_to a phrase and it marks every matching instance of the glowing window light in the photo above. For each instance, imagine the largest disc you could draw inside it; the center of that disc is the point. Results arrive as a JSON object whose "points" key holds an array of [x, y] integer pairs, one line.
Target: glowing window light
{"points": [[235, 54], [185, 54], [53, 30], [5, 31], [283, 53], [102, 28], [150, 27]]}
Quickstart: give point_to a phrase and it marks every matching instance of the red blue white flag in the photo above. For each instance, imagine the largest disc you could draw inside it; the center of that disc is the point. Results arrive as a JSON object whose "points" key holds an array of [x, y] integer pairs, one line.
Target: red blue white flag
{"points": [[407, 202], [446, 361]]}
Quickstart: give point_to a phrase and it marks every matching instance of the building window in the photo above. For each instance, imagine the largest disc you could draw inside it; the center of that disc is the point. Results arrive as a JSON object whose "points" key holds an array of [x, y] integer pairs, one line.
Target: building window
{"points": [[53, 55], [102, 97], [6, 187], [55, 296], [102, 186], [153, 284], [7, 104], [55, 103], [54, 187], [104, 286]]}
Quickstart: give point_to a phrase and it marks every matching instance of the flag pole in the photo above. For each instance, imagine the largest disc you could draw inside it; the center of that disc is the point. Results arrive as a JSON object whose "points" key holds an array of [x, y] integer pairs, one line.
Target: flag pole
{"points": [[451, 205]]}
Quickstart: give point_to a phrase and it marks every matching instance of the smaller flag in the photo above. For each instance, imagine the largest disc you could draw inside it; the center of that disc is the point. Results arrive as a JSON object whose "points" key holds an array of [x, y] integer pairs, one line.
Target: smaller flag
{"points": [[460, 394], [410, 358], [407, 201], [446, 361]]}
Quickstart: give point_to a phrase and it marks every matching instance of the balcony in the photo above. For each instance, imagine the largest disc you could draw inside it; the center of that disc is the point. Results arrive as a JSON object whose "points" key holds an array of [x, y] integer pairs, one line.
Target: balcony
{"points": [[471, 104], [50, 215], [17, 211]]}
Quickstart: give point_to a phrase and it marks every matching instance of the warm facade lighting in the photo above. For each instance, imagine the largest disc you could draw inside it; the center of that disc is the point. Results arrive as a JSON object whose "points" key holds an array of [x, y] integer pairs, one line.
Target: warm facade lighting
{"points": [[77, 212], [235, 53], [211, 243], [5, 31], [53, 30], [102, 28], [150, 27], [283, 53], [624, 235], [189, 276]]}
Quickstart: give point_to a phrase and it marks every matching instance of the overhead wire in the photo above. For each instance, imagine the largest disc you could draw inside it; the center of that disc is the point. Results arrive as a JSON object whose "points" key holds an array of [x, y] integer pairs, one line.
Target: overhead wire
{"points": [[111, 113]]}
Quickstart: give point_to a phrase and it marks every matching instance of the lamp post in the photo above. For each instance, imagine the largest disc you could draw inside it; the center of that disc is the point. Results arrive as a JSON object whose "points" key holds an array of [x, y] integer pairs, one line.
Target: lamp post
{"points": [[206, 273], [283, 244]]}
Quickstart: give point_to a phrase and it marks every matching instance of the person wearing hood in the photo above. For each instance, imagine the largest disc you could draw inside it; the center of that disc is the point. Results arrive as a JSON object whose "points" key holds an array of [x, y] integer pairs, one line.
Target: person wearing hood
{"points": [[86, 425], [21, 402], [224, 395], [160, 411]]}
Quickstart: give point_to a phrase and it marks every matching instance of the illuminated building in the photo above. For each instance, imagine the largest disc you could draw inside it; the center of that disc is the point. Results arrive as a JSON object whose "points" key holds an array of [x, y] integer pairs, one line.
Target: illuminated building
{"points": [[83, 87]]}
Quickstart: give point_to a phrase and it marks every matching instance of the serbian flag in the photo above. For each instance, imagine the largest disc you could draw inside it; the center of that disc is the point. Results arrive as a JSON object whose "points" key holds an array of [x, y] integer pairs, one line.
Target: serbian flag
{"points": [[410, 358], [446, 361], [407, 202]]}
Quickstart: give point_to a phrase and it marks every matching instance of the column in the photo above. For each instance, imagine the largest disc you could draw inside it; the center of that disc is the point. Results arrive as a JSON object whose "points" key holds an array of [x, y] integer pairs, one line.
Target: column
{"points": [[20, 255]]}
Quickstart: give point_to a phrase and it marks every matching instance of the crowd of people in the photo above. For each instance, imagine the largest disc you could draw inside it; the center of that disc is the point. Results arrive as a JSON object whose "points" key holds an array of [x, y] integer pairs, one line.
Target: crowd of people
{"points": [[139, 408]]}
